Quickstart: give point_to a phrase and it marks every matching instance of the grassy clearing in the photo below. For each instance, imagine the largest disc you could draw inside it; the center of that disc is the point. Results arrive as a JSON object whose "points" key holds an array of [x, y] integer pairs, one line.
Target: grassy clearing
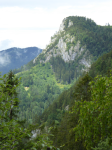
{"points": [[26, 88]]}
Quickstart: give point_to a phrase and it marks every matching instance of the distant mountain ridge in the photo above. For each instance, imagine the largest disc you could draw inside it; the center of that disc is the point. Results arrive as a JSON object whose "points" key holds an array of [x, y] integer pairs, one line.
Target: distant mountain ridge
{"points": [[14, 58]]}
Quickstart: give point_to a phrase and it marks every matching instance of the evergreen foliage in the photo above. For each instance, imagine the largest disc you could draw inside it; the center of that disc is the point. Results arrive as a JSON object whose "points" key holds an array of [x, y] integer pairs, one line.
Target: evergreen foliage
{"points": [[66, 72], [94, 123], [102, 66], [13, 134]]}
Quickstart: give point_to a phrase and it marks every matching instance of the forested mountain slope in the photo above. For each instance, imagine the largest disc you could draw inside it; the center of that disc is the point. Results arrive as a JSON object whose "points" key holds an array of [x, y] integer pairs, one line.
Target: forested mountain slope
{"points": [[102, 66], [37, 91], [72, 50], [14, 58], [57, 114]]}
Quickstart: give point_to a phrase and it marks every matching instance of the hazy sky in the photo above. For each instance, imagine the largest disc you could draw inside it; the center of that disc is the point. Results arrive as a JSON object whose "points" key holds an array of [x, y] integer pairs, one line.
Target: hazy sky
{"points": [[25, 23]]}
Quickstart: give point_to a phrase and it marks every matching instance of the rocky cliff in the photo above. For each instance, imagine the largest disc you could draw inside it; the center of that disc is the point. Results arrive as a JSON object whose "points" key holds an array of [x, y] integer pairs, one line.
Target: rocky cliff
{"points": [[65, 45]]}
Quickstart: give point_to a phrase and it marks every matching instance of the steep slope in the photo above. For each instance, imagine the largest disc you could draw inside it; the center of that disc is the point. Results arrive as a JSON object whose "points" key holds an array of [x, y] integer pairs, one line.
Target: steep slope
{"points": [[103, 66], [72, 50], [14, 58]]}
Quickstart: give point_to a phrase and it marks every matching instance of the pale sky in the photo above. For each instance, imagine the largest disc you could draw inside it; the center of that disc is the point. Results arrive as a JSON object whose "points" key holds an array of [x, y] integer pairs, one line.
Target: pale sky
{"points": [[27, 23]]}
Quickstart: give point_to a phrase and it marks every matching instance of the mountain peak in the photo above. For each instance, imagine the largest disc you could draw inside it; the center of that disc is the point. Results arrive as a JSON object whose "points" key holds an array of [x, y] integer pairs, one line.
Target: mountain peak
{"points": [[77, 41], [66, 45]]}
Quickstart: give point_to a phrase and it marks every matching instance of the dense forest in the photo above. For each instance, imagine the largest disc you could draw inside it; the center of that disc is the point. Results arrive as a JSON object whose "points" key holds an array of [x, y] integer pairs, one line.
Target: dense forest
{"points": [[13, 133], [66, 72], [64, 113]]}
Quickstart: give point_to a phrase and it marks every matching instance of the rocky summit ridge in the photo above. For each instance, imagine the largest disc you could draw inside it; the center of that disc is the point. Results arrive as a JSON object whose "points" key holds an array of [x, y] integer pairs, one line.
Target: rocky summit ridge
{"points": [[66, 46]]}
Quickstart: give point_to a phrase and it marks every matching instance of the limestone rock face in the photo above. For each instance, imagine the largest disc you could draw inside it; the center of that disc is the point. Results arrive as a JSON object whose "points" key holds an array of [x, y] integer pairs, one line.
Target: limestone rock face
{"points": [[70, 23], [62, 44], [67, 108], [62, 26]]}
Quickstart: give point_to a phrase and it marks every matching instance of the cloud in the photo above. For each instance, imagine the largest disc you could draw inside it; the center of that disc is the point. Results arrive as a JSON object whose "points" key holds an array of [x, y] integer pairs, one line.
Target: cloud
{"points": [[44, 3], [26, 26], [27, 37], [18, 54], [40, 17], [4, 59]]}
